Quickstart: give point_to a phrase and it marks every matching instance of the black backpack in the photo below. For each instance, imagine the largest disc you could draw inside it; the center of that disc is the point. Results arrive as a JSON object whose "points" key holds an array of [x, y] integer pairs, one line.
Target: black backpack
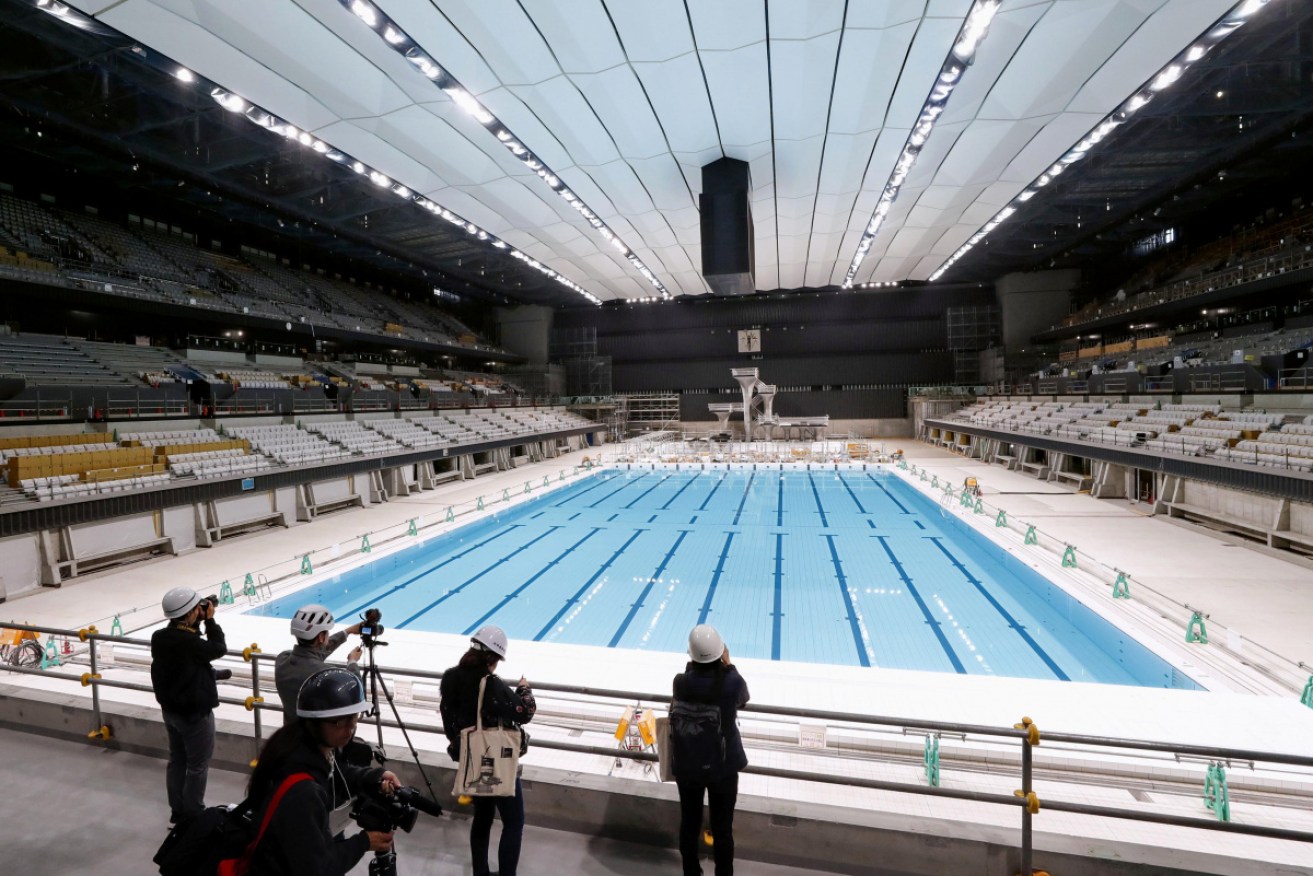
{"points": [[221, 839], [697, 738], [197, 845]]}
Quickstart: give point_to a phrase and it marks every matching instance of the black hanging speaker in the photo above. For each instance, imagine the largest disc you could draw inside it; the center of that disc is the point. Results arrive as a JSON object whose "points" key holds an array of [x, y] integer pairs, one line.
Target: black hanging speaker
{"points": [[728, 252]]}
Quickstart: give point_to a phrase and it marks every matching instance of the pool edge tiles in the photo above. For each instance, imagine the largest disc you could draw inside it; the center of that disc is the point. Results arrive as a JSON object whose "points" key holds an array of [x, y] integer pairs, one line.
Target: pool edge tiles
{"points": [[673, 559]]}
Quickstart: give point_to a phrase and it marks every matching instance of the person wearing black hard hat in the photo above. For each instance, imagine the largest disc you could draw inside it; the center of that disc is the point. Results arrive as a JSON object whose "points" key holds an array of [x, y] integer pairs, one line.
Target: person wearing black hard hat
{"points": [[298, 839], [504, 707], [183, 680]]}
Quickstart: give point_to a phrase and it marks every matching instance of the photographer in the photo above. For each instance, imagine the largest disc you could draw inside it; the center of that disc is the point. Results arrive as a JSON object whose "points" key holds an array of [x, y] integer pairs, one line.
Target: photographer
{"points": [[183, 679], [709, 679], [311, 627], [504, 707], [298, 840]]}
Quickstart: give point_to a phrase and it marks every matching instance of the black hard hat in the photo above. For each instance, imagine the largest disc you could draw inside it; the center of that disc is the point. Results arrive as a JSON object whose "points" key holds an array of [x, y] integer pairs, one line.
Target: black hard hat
{"points": [[331, 693]]}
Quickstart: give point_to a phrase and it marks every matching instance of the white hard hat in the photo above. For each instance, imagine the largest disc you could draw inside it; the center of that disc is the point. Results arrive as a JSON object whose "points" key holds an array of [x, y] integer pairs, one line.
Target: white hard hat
{"points": [[311, 620], [178, 601], [705, 644], [492, 639]]}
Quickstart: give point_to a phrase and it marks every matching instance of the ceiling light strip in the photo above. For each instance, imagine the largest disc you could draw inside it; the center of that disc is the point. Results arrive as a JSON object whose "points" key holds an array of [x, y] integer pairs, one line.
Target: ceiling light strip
{"points": [[959, 57], [401, 43], [1228, 24], [235, 103]]}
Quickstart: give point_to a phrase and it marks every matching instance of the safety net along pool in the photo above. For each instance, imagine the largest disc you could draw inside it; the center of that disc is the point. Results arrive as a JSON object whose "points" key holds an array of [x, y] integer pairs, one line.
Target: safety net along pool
{"points": [[819, 566]]}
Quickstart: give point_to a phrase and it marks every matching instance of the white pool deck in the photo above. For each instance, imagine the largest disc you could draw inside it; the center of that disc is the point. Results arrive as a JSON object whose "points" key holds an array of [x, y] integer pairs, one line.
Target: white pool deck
{"points": [[1258, 601]]}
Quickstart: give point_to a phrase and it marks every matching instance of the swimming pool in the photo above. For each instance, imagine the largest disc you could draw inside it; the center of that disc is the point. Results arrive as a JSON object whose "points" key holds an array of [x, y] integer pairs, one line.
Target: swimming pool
{"points": [[819, 566]]}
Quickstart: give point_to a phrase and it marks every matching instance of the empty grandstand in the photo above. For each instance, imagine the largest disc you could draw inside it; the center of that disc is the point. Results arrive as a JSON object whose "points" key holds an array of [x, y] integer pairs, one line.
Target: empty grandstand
{"points": [[949, 359]]}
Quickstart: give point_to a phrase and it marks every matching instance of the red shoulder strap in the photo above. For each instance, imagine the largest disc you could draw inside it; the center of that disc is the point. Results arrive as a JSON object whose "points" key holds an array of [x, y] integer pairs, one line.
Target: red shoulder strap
{"points": [[241, 865]]}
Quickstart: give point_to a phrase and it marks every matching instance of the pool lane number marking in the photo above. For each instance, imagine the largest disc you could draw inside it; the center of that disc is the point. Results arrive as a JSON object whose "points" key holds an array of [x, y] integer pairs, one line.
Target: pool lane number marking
{"points": [[855, 622], [651, 581], [715, 577], [536, 575], [935, 625], [427, 569], [468, 581], [579, 594], [1012, 622]]}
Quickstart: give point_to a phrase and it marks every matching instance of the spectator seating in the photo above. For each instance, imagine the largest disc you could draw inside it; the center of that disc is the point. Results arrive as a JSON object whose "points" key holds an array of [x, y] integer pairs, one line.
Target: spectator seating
{"points": [[288, 444], [49, 360], [356, 438], [55, 245], [407, 433]]}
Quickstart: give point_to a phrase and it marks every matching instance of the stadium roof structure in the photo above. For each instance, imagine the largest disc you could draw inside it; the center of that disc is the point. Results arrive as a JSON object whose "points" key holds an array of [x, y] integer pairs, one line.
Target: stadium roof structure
{"points": [[551, 152]]}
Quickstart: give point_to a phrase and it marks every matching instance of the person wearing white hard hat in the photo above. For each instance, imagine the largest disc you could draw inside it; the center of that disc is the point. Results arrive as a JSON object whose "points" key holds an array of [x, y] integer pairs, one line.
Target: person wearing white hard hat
{"points": [[708, 750], [184, 683], [502, 707], [312, 627]]}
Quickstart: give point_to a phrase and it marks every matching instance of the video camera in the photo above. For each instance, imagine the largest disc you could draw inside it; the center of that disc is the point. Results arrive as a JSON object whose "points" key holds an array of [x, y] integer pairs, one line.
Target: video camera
{"points": [[371, 628], [375, 811]]}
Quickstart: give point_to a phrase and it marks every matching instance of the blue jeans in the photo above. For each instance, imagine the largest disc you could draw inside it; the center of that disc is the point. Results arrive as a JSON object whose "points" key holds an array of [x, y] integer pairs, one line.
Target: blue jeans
{"points": [[721, 795], [191, 744], [511, 810]]}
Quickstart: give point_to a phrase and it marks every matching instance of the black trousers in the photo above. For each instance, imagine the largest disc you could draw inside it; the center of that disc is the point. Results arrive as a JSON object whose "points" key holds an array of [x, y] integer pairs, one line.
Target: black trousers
{"points": [[721, 796]]}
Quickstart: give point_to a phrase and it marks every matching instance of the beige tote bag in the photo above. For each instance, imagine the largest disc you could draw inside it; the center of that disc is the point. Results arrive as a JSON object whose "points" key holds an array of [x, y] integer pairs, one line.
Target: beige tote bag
{"points": [[489, 759]]}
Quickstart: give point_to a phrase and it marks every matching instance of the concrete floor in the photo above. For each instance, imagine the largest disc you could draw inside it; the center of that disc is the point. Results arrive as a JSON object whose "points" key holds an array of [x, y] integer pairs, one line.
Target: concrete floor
{"points": [[112, 816]]}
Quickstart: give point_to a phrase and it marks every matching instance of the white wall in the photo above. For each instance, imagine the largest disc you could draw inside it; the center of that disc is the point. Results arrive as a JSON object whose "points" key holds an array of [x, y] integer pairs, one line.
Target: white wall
{"points": [[20, 558]]}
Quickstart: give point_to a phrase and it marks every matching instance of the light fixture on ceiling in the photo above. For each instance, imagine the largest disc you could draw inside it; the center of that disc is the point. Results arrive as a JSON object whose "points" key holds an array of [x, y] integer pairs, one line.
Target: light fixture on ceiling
{"points": [[235, 103], [229, 101], [968, 40], [409, 48], [1170, 72]]}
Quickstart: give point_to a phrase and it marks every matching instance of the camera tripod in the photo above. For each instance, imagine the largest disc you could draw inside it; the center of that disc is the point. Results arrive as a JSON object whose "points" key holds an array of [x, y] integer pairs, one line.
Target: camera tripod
{"points": [[385, 863]]}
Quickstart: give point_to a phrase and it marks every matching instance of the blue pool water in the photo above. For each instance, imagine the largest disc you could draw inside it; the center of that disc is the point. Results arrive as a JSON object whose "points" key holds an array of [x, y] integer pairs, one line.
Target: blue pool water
{"points": [[851, 567]]}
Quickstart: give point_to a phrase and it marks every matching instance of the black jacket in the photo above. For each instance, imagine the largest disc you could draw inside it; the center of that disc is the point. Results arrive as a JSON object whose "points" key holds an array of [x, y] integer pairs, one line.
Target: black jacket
{"points": [[697, 683], [180, 668], [298, 840], [502, 705]]}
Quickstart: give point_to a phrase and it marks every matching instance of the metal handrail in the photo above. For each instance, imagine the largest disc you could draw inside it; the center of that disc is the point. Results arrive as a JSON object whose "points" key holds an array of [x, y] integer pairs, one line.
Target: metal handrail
{"points": [[1025, 732]]}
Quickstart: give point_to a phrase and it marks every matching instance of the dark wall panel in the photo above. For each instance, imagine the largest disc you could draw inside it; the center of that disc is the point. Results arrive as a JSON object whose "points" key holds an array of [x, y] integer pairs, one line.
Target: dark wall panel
{"points": [[808, 339], [819, 370], [846, 404]]}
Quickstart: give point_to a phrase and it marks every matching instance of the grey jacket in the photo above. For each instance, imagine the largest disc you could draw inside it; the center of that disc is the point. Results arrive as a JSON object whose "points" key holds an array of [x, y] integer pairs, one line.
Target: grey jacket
{"points": [[293, 667]]}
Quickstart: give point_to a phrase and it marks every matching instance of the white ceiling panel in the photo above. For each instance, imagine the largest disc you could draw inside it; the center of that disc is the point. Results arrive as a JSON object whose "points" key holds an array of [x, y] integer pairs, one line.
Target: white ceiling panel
{"points": [[653, 30], [740, 92], [804, 19], [888, 13], [557, 105], [627, 101], [869, 65], [505, 37], [1147, 50], [801, 75], [678, 95], [728, 24], [617, 97], [579, 33], [797, 164]]}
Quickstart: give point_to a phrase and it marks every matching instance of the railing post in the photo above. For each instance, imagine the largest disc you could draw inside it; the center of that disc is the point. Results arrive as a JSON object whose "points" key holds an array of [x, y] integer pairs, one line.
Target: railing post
{"points": [[95, 690], [256, 698], [1028, 742]]}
